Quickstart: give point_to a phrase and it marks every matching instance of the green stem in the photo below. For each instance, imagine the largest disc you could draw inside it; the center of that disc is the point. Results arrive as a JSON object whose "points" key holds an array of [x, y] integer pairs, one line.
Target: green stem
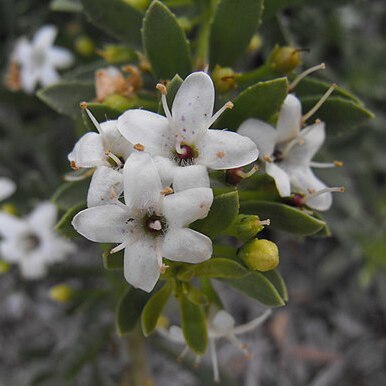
{"points": [[261, 73]]}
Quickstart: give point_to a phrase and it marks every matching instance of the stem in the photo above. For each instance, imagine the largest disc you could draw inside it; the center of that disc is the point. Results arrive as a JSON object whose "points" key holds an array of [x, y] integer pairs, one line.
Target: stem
{"points": [[263, 72]]}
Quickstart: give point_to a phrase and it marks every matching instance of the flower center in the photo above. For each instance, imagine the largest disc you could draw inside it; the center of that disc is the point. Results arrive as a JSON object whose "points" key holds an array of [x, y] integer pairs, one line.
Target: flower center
{"points": [[31, 242], [38, 57], [185, 154], [155, 225]]}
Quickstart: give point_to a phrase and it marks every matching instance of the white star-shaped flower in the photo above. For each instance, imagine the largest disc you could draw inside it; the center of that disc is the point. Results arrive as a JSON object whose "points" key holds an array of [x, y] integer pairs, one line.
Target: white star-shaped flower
{"points": [[288, 151], [7, 188], [39, 59], [220, 325], [152, 224], [181, 143], [31, 242], [106, 151]]}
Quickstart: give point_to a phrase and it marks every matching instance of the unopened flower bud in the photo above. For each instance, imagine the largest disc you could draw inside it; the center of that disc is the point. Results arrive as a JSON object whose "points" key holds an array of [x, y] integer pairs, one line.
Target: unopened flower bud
{"points": [[84, 46], [260, 255], [284, 60], [61, 293], [139, 4], [4, 267], [254, 44], [115, 54], [9, 209], [244, 227], [224, 78]]}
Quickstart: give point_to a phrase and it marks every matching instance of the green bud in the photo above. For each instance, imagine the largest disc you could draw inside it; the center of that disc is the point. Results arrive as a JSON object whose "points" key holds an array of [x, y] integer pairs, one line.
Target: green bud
{"points": [[116, 54], [120, 102], [4, 267], [61, 293], [260, 255], [284, 60], [244, 227], [184, 23], [9, 209], [138, 4], [84, 46], [224, 78], [254, 44]]}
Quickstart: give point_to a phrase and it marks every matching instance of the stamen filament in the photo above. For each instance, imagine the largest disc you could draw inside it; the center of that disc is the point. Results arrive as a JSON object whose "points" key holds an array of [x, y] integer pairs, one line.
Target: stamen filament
{"points": [[183, 354], [339, 189], [322, 165], [265, 222], [162, 89], [114, 158], [228, 105], [243, 174], [118, 248], [80, 176], [83, 105], [319, 103], [242, 346], [244, 328], [305, 73], [290, 145], [213, 357]]}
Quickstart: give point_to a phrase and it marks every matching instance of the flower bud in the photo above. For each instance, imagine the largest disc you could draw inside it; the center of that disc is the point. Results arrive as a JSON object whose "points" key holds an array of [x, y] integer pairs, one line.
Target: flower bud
{"points": [[260, 255], [139, 4], [284, 60], [244, 227], [9, 209], [84, 46], [254, 44], [4, 267], [61, 293], [224, 78], [114, 54]]}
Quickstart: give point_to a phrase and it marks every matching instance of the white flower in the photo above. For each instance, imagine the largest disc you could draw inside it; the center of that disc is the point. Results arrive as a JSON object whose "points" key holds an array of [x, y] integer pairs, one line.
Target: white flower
{"points": [[39, 59], [150, 225], [32, 242], [288, 151], [184, 139], [221, 325], [106, 151], [7, 188]]}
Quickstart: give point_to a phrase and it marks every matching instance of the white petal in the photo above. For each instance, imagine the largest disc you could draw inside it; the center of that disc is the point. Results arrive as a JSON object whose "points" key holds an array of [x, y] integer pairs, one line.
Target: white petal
{"points": [[189, 177], [182, 208], [48, 76], [290, 115], [56, 248], [166, 169], [106, 186], [281, 178], [222, 323], [186, 245], [261, 133], [43, 216], [29, 77], [45, 36], [11, 251], [10, 225], [88, 152], [22, 50], [149, 129], [7, 188], [176, 334], [193, 106], [142, 184], [103, 224], [60, 57], [33, 268], [142, 265], [222, 149], [114, 141]]}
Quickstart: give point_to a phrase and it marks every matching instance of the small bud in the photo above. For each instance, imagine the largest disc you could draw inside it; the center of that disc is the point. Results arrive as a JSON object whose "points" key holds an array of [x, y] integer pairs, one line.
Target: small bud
{"points": [[184, 23], [260, 255], [244, 227], [4, 267], [254, 44], [224, 78], [138, 4], [61, 293], [9, 209], [115, 54], [84, 46], [284, 60]]}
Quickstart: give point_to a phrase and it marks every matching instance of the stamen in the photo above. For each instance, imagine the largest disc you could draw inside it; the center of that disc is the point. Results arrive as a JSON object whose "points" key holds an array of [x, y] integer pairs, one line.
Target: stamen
{"points": [[228, 105], [166, 191], [244, 328], [118, 248], [83, 105], [114, 158], [79, 176], [213, 357], [244, 175], [319, 103], [267, 158], [163, 268], [242, 346], [339, 189], [74, 165], [197, 362], [305, 73], [156, 225], [265, 222], [335, 164], [183, 354], [179, 149], [162, 89], [139, 147], [296, 141]]}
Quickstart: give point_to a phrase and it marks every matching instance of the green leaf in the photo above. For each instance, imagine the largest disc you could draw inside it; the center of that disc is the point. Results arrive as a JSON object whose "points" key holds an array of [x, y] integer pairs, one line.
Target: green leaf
{"points": [[113, 261], [277, 281], [223, 211], [101, 112], [339, 114], [258, 287], [260, 101], [172, 88], [64, 226], [165, 43], [195, 295], [153, 309], [233, 26], [65, 98], [214, 267], [66, 6], [211, 294], [193, 325], [271, 7], [71, 194], [284, 217], [129, 309], [117, 18]]}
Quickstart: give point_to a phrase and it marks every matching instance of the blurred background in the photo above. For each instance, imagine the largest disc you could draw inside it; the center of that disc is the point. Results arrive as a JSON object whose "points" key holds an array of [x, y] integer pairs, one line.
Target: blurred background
{"points": [[333, 330]]}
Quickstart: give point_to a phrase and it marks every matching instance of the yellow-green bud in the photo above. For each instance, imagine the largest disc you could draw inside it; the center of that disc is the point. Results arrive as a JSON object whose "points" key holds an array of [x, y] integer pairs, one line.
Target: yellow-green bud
{"points": [[4, 267], [61, 293], [254, 44], [84, 46], [120, 102], [184, 23], [9, 209], [139, 4], [284, 60], [116, 54], [244, 227], [224, 78], [260, 255]]}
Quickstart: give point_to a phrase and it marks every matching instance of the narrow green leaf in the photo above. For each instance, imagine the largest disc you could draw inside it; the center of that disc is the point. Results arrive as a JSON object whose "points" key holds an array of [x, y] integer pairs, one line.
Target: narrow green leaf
{"points": [[165, 43], [153, 309], [65, 98], [64, 226], [195, 295], [223, 211], [211, 294], [172, 88], [117, 18], [214, 267], [284, 217], [277, 281], [129, 309], [258, 287], [113, 262], [193, 325], [260, 101], [228, 38], [71, 194]]}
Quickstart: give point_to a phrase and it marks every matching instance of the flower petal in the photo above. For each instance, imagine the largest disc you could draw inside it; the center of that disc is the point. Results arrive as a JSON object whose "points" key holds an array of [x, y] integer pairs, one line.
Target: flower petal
{"points": [[142, 265], [261, 133], [182, 208], [60, 57], [11, 226], [193, 106], [221, 149], [289, 121], [190, 177], [186, 245], [48, 75], [142, 184], [7, 188], [22, 50], [103, 224], [44, 216], [149, 129], [45, 37], [106, 186], [222, 324], [166, 169], [10, 250], [114, 140], [88, 152], [33, 268], [281, 178], [29, 77]]}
